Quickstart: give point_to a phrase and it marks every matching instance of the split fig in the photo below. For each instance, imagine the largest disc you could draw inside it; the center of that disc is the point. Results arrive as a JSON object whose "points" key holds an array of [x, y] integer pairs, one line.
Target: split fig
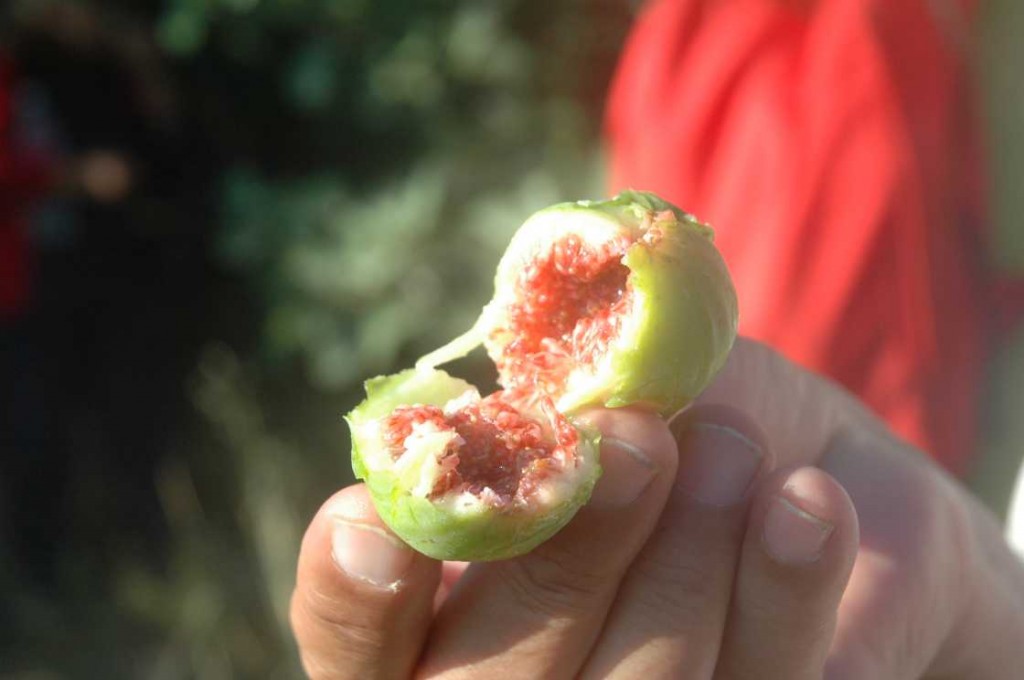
{"points": [[460, 477], [622, 302], [618, 302]]}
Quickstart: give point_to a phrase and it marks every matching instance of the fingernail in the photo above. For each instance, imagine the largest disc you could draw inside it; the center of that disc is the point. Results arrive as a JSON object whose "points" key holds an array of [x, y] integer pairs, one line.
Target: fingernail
{"points": [[717, 463], [792, 535], [369, 553], [626, 473]]}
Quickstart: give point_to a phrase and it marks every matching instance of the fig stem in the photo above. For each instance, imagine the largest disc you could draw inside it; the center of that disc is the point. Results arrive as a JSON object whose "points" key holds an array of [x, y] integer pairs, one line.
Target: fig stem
{"points": [[460, 346]]}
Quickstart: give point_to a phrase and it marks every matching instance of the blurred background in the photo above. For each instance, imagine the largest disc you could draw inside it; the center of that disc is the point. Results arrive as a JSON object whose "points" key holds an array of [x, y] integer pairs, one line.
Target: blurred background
{"points": [[235, 211]]}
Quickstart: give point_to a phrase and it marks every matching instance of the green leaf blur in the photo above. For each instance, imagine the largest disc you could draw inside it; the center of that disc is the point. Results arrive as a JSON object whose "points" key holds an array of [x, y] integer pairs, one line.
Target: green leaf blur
{"points": [[372, 161]]}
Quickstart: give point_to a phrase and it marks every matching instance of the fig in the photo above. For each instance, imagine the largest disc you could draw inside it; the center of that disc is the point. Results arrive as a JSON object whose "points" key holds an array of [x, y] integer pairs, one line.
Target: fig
{"points": [[596, 303], [617, 302], [460, 477]]}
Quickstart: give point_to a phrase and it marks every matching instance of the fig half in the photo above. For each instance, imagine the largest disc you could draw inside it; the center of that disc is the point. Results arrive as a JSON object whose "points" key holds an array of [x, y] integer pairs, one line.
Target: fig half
{"points": [[617, 302], [596, 303], [460, 477]]}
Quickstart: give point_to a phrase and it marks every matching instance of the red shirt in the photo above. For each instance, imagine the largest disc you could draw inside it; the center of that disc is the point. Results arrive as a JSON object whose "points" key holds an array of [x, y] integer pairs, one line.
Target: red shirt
{"points": [[22, 178], [831, 146]]}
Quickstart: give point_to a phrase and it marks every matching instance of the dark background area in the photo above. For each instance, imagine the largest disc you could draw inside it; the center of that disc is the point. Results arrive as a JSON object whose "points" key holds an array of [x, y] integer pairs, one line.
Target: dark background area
{"points": [[292, 197]]}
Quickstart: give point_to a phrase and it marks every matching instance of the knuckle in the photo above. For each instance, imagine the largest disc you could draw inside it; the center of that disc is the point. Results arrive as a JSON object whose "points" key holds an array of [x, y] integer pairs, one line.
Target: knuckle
{"points": [[314, 615], [852, 667], [906, 508], [318, 668], [681, 589], [554, 584]]}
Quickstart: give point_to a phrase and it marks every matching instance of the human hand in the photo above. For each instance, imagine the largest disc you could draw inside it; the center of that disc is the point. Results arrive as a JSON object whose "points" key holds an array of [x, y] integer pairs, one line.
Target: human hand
{"points": [[718, 548]]}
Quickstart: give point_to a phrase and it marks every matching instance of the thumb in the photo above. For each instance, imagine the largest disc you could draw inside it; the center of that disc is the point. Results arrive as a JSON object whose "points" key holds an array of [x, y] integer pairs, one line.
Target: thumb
{"points": [[363, 600]]}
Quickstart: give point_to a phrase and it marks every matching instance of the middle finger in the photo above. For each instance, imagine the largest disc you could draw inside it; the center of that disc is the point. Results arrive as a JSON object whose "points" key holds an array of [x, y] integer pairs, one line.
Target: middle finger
{"points": [[671, 609]]}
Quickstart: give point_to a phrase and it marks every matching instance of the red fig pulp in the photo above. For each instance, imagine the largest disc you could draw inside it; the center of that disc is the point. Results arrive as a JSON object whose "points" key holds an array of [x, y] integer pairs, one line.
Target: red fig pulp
{"points": [[499, 454], [569, 303]]}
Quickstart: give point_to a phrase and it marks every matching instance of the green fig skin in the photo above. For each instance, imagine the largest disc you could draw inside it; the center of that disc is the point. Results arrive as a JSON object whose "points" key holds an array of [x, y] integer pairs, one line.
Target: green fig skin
{"points": [[688, 314], [443, 530], [684, 320]]}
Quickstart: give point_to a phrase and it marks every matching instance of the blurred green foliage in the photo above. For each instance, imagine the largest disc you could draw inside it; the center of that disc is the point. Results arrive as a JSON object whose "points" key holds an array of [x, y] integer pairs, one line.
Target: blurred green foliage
{"points": [[381, 154], [378, 155], [999, 54], [370, 161]]}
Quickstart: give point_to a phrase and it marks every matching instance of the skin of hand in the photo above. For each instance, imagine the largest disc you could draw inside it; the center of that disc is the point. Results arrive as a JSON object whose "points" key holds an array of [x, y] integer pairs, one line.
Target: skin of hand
{"points": [[775, 530]]}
